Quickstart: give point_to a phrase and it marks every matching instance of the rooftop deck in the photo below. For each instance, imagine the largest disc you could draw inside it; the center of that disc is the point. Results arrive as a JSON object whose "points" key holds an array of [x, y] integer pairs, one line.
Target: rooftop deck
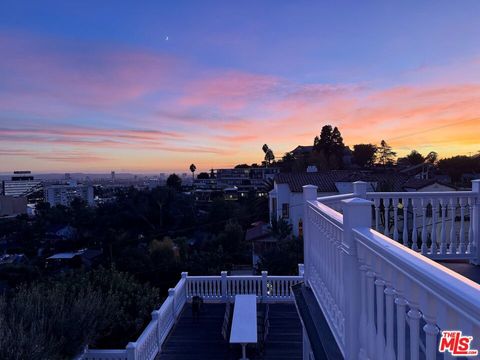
{"points": [[197, 339], [464, 268], [377, 283]]}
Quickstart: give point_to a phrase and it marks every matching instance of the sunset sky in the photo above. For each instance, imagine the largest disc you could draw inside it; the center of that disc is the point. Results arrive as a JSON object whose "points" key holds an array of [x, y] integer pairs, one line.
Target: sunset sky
{"points": [[154, 86]]}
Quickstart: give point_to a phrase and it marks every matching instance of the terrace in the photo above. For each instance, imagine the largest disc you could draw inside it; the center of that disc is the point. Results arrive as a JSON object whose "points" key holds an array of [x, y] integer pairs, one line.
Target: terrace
{"points": [[372, 286]]}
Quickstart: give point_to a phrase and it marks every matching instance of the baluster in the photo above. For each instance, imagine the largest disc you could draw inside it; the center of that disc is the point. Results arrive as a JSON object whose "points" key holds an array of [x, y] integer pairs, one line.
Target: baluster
{"points": [[380, 350], [462, 247], [371, 331], [424, 247], [431, 331], [443, 231], [395, 218], [414, 316], [363, 313], [389, 347], [401, 308], [414, 225], [471, 244], [376, 204], [386, 205], [405, 221], [433, 248], [453, 233]]}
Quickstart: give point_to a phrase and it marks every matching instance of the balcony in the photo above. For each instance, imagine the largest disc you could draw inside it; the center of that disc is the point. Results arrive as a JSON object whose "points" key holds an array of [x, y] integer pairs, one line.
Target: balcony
{"points": [[374, 284], [378, 288], [173, 334]]}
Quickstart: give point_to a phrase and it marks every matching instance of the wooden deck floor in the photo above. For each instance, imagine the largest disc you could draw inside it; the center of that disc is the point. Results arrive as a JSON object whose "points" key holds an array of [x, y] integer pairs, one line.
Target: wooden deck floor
{"points": [[193, 339], [464, 268]]}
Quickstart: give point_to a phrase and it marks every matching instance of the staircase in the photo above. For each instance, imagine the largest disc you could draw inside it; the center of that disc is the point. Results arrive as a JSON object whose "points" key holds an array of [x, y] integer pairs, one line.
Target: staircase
{"points": [[284, 340]]}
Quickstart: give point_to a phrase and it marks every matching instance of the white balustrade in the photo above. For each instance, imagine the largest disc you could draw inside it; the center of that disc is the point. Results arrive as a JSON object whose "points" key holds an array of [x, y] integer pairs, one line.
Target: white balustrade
{"points": [[392, 300], [437, 223], [440, 225]]}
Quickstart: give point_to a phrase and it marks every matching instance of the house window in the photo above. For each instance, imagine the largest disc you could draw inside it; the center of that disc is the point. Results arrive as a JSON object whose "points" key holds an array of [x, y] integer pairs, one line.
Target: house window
{"points": [[285, 211]]}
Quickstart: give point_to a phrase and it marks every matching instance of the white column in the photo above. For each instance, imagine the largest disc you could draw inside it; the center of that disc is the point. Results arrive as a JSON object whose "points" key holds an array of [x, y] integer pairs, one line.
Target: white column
{"points": [[264, 285], [309, 194], [171, 294], [224, 285], [360, 189], [475, 218], [131, 353], [356, 214]]}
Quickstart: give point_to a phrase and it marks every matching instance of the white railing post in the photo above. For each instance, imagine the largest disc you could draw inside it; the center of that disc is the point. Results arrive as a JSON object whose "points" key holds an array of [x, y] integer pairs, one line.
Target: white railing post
{"points": [[131, 347], [360, 189], [171, 295], [356, 214], [475, 218], [309, 194], [185, 286], [264, 285], [224, 285], [155, 317], [301, 269]]}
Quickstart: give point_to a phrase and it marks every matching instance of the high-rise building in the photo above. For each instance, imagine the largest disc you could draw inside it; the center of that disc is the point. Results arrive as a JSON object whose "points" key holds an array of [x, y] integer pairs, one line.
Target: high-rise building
{"points": [[63, 194], [22, 183]]}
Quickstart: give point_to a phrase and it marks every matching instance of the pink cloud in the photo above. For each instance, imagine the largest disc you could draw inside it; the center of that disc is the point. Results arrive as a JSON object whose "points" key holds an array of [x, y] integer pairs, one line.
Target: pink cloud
{"points": [[230, 91], [46, 71]]}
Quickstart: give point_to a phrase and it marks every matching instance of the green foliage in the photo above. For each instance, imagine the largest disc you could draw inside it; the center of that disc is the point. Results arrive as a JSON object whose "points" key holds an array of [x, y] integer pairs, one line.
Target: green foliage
{"points": [[281, 228], [283, 259], [56, 319]]}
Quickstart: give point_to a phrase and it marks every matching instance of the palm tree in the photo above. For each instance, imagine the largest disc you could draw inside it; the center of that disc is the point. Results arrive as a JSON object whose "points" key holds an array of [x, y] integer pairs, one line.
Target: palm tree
{"points": [[192, 169]]}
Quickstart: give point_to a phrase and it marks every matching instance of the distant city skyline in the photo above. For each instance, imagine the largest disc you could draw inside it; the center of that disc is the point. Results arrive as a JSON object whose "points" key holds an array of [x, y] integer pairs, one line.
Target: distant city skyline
{"points": [[97, 86]]}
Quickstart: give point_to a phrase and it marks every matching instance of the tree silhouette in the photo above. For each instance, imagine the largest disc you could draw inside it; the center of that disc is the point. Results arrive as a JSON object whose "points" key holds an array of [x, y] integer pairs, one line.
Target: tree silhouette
{"points": [[329, 148], [432, 157], [192, 169], [269, 157], [364, 154], [415, 158], [174, 182], [386, 155], [203, 175]]}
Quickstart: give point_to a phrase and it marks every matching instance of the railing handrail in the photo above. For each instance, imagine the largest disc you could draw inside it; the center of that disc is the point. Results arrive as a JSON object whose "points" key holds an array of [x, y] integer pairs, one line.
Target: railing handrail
{"points": [[284, 277], [333, 198], [460, 292], [204, 277], [420, 194], [322, 209]]}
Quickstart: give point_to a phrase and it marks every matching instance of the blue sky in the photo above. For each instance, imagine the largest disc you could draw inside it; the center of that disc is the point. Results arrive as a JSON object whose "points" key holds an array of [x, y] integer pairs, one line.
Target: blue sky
{"points": [[94, 85]]}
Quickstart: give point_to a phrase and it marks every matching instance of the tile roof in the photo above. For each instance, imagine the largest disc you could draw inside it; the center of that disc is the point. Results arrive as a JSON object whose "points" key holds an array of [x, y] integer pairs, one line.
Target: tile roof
{"points": [[421, 183], [325, 180]]}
